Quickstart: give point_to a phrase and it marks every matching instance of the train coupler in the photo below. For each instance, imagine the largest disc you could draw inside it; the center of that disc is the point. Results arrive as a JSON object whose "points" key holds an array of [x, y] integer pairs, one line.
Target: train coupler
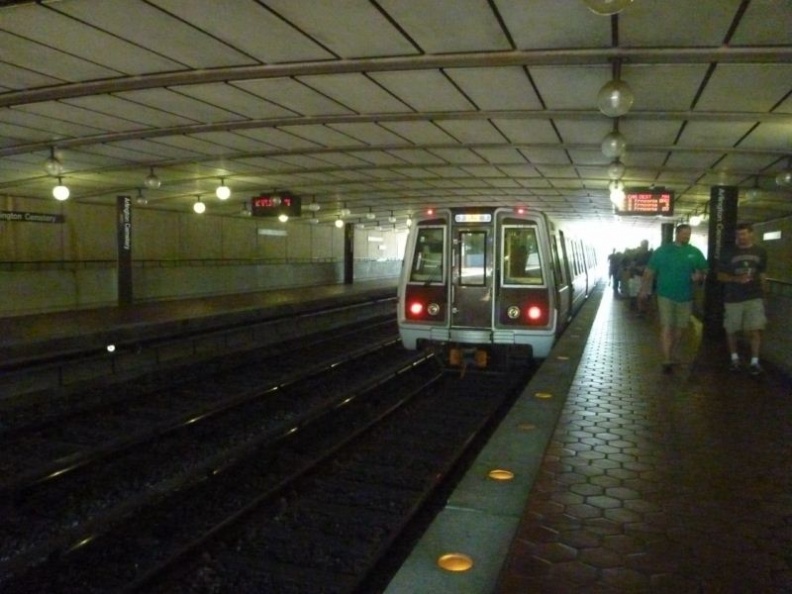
{"points": [[458, 357]]}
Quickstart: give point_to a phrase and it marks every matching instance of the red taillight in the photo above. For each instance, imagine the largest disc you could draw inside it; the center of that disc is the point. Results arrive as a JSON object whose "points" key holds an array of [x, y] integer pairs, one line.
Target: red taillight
{"points": [[534, 312], [416, 308]]}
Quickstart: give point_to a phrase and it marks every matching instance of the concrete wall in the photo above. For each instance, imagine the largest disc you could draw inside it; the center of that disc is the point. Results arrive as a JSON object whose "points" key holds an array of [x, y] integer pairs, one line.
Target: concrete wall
{"points": [[778, 336], [72, 265]]}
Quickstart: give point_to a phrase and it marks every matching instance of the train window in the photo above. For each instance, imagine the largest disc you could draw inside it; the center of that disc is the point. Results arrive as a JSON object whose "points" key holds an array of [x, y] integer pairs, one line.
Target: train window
{"points": [[427, 264], [521, 262], [473, 258]]}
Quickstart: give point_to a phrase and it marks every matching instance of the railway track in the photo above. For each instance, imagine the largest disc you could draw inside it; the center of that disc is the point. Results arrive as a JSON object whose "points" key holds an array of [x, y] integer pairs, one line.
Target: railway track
{"points": [[314, 450]]}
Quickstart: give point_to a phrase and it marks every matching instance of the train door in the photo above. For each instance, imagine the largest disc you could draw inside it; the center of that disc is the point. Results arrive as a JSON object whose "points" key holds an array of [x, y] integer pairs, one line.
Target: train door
{"points": [[472, 277]]}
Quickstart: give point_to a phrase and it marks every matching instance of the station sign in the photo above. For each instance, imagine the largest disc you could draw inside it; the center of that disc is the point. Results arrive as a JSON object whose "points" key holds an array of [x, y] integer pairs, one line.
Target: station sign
{"points": [[274, 205], [13, 216]]}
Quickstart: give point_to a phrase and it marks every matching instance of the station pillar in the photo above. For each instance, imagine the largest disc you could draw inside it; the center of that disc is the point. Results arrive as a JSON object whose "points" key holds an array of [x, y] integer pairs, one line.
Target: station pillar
{"points": [[349, 253], [722, 226], [666, 233]]}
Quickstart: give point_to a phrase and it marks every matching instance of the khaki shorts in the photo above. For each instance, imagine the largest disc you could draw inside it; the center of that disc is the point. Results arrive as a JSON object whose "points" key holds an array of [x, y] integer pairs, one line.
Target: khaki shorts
{"points": [[674, 314], [744, 315]]}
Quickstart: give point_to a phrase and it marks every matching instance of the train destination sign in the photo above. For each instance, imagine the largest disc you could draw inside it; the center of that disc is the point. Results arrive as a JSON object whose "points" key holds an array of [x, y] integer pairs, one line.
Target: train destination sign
{"points": [[273, 205], [647, 201]]}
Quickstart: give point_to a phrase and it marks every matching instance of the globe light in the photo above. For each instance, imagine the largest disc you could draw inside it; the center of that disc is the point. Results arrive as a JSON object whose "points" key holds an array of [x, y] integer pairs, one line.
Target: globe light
{"points": [[616, 170], [52, 165], [313, 221], [283, 218], [617, 197], [313, 206], [607, 7], [615, 98], [784, 178], [409, 221], [152, 181], [614, 145], [345, 212], [339, 223], [370, 215], [199, 207], [60, 192], [223, 192]]}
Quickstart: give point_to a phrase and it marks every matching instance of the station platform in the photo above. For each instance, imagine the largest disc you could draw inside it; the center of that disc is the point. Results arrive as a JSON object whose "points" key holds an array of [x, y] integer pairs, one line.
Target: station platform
{"points": [[643, 482], [55, 334]]}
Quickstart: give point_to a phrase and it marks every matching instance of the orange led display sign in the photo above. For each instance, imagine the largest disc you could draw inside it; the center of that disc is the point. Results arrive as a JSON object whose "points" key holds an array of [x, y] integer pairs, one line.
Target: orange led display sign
{"points": [[647, 201]]}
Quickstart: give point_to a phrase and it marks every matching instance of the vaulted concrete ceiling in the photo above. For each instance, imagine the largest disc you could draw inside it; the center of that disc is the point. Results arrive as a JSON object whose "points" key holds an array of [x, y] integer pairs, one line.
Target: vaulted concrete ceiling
{"points": [[390, 106]]}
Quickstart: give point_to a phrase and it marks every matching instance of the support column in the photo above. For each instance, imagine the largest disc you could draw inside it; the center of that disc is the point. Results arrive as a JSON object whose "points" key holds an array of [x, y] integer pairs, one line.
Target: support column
{"points": [[349, 253], [666, 233], [124, 252], [722, 226]]}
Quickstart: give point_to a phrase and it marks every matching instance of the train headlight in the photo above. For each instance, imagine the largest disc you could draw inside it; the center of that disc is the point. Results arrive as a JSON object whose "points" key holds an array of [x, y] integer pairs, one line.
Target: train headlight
{"points": [[534, 312], [416, 308], [513, 312], [433, 309]]}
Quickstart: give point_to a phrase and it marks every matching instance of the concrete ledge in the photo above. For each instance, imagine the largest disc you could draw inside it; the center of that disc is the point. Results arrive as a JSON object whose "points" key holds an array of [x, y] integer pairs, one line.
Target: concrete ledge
{"points": [[482, 515]]}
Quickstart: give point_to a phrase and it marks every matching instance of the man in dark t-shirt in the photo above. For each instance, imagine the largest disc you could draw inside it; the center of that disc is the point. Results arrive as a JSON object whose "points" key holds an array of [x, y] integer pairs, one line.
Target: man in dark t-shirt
{"points": [[742, 270]]}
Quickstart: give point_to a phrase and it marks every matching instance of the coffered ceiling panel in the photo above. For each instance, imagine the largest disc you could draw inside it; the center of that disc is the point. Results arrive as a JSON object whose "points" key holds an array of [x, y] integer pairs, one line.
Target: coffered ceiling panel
{"points": [[394, 105]]}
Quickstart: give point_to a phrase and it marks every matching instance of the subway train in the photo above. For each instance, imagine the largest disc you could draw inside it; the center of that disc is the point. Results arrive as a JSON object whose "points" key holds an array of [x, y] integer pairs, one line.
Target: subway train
{"points": [[490, 286]]}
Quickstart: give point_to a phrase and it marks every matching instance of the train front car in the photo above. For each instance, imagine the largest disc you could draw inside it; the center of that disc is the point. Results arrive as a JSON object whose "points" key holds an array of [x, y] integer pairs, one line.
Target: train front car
{"points": [[479, 283]]}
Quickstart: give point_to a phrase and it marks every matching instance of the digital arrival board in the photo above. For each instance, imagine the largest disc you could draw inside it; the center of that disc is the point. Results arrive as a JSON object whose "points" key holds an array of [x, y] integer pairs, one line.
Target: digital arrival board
{"points": [[647, 201], [273, 205]]}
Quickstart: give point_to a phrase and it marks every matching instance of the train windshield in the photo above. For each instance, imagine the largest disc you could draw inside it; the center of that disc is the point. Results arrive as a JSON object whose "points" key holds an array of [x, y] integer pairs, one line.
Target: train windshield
{"points": [[521, 262], [427, 266]]}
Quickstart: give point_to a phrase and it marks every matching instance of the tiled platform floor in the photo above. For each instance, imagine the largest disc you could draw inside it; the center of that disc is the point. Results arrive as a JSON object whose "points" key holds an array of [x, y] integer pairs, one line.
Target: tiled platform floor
{"points": [[657, 483]]}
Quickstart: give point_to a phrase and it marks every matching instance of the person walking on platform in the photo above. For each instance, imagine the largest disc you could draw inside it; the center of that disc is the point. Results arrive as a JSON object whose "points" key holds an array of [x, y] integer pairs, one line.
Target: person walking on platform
{"points": [[677, 266], [742, 270]]}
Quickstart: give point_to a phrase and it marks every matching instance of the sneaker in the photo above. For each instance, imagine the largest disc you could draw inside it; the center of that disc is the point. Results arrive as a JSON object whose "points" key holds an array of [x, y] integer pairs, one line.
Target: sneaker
{"points": [[735, 366], [754, 369]]}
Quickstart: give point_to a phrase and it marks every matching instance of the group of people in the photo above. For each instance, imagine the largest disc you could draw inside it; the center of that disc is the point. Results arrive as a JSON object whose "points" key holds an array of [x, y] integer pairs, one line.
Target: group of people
{"points": [[673, 270], [626, 269]]}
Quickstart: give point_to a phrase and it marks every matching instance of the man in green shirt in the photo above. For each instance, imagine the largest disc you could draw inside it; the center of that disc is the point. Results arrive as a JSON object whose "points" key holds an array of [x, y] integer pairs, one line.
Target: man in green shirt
{"points": [[676, 266]]}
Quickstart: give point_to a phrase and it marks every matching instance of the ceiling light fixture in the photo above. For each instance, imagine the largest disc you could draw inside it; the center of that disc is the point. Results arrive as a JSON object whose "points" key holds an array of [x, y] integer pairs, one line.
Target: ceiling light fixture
{"points": [[339, 222], [616, 188], [615, 98], [607, 7], [614, 144], [199, 207], [370, 215], [60, 192], [616, 170], [152, 181], [344, 212], [391, 218], [141, 199], [223, 192], [283, 218], [314, 205], [784, 179], [753, 193], [52, 165]]}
